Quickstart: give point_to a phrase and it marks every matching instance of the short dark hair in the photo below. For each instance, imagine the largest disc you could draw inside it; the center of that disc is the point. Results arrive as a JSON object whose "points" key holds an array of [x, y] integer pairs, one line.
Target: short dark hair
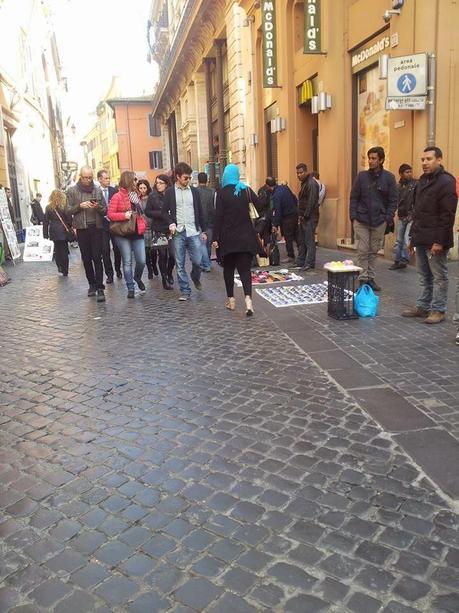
{"points": [[202, 177], [101, 172], [38, 195], [165, 179], [437, 151], [404, 168], [315, 174], [302, 166], [270, 182], [379, 152], [144, 182], [182, 168]]}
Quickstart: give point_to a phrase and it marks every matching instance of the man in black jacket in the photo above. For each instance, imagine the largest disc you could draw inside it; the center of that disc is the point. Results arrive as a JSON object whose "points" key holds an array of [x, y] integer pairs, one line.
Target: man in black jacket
{"points": [[107, 192], [308, 218], [38, 217], [372, 208], [182, 208], [431, 234], [285, 214], [406, 187]]}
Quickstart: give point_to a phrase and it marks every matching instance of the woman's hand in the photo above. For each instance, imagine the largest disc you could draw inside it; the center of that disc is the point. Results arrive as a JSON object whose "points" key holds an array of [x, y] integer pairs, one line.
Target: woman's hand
{"points": [[215, 244], [128, 214]]}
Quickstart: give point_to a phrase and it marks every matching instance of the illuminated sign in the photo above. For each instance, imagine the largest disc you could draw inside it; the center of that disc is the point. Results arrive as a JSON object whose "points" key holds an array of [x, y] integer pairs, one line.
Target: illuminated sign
{"points": [[268, 10], [312, 33]]}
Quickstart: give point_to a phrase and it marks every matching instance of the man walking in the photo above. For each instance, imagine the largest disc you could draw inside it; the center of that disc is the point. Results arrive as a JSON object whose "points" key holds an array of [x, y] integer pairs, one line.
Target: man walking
{"points": [[207, 195], [85, 202], [182, 207], [285, 214], [372, 208], [38, 216], [432, 235], [406, 187], [308, 218], [107, 192]]}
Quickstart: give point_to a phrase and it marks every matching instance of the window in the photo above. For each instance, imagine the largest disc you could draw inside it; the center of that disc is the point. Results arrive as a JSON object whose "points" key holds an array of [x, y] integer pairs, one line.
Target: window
{"points": [[156, 159], [154, 125]]}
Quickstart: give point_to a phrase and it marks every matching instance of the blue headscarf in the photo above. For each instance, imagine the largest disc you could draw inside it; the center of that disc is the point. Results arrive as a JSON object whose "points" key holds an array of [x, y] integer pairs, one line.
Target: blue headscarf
{"points": [[231, 176]]}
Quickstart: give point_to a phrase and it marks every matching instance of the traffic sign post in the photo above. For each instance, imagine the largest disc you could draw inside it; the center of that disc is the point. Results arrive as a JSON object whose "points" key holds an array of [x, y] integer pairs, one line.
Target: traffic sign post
{"points": [[407, 82]]}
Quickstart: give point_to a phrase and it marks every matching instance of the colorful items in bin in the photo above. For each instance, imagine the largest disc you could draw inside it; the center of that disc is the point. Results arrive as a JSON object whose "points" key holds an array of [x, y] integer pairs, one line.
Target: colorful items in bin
{"points": [[339, 264]]}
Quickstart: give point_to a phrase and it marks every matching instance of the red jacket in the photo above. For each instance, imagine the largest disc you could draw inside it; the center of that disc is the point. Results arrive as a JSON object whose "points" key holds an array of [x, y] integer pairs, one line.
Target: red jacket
{"points": [[117, 207]]}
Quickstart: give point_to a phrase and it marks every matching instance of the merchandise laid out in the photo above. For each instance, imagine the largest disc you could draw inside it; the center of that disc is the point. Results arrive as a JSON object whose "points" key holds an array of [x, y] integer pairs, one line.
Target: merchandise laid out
{"points": [[294, 295], [37, 248], [260, 277]]}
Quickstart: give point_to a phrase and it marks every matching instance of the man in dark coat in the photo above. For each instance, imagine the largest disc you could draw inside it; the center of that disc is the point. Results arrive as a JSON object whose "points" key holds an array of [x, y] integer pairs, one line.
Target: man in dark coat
{"points": [[431, 234], [107, 190], [372, 207], [285, 214], [38, 217], [406, 187], [308, 218]]}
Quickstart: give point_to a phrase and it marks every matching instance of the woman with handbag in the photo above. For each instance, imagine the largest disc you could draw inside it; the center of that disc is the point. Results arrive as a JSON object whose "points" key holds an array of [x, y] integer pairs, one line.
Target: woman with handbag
{"points": [[57, 226], [160, 235], [234, 234], [128, 227]]}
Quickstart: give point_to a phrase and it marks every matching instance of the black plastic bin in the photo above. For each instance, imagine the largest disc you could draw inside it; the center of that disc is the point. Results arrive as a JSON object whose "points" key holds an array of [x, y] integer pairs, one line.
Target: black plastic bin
{"points": [[341, 290]]}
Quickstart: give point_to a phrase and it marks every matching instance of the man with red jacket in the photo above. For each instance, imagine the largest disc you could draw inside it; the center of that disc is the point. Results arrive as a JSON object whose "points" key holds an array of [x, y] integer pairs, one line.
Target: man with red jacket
{"points": [[432, 235]]}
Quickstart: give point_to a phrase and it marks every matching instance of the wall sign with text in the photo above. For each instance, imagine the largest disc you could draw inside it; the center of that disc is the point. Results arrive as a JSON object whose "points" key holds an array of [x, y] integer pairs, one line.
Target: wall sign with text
{"points": [[268, 11], [312, 27]]}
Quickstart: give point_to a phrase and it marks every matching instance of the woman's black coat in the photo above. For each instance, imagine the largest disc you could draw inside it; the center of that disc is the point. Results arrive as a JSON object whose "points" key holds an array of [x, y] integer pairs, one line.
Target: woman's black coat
{"points": [[153, 210], [233, 229], [52, 226]]}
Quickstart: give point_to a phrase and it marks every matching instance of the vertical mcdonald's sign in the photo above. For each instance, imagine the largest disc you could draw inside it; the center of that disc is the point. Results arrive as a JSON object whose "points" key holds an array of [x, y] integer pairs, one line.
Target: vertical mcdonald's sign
{"points": [[269, 43], [312, 26]]}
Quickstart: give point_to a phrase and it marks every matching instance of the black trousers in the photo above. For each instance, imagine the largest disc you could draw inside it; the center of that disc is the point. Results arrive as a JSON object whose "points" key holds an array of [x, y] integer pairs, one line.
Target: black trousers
{"points": [[166, 261], [90, 243], [106, 256], [289, 228], [240, 262], [61, 255]]}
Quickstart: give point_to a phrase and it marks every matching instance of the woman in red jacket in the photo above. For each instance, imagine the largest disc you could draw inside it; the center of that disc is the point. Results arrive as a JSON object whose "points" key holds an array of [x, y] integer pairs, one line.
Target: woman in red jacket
{"points": [[121, 206]]}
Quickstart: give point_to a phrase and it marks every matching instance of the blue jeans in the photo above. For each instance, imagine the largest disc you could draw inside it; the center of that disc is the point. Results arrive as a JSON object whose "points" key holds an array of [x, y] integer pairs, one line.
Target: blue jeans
{"points": [[126, 247], [433, 279], [206, 251], [401, 242], [183, 243]]}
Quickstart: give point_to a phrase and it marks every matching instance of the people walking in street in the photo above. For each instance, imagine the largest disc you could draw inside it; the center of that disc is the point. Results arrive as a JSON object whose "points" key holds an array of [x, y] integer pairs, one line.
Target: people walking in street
{"points": [[373, 202], [208, 209], [144, 190], [234, 234], [123, 205], [432, 236], [86, 204], [406, 187], [107, 192], [308, 218], [38, 217], [57, 225], [160, 234], [285, 215], [183, 210]]}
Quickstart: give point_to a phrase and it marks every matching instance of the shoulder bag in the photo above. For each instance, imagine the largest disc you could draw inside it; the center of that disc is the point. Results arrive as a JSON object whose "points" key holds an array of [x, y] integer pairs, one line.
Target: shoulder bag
{"points": [[70, 233], [126, 227], [262, 258]]}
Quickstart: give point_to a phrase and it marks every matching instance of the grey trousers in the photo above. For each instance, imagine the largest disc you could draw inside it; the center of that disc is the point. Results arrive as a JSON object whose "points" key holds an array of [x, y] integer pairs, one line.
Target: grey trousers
{"points": [[368, 241]]}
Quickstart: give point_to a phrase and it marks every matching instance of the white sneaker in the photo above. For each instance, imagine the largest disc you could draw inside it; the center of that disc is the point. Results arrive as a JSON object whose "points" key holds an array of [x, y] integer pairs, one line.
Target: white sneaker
{"points": [[183, 297]]}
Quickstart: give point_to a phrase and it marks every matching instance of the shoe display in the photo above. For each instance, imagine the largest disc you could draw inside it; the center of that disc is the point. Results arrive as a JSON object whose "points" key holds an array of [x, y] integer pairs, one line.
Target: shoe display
{"points": [[184, 297], [435, 317], [140, 285], [131, 293], [100, 295], [415, 312], [92, 291], [231, 304]]}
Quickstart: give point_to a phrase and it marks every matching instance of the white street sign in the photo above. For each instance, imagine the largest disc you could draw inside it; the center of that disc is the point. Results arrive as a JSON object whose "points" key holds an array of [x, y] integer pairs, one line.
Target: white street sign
{"points": [[407, 76], [405, 103]]}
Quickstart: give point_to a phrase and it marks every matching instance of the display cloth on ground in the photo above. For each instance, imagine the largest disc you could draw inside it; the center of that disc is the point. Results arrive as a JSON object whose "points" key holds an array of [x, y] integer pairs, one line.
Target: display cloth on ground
{"points": [[260, 277], [37, 248], [294, 295], [8, 229]]}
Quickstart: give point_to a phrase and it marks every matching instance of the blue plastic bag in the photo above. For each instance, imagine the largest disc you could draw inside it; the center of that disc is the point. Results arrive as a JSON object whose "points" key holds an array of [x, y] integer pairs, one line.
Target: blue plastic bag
{"points": [[366, 302]]}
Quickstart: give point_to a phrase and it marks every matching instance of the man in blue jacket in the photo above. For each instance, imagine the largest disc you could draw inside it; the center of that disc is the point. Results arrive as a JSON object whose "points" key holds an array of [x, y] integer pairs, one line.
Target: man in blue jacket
{"points": [[285, 214], [373, 203]]}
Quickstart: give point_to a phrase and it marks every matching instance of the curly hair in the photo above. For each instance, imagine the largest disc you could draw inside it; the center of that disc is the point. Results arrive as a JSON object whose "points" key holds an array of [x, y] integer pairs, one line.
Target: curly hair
{"points": [[57, 199]]}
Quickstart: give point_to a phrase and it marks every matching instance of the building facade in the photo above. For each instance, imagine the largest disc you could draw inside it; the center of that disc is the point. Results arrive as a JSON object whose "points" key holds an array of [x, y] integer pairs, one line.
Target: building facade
{"points": [[270, 84]]}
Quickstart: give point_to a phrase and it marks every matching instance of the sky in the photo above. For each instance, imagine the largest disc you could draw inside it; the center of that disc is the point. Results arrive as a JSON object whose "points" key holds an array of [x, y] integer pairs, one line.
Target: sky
{"points": [[99, 39]]}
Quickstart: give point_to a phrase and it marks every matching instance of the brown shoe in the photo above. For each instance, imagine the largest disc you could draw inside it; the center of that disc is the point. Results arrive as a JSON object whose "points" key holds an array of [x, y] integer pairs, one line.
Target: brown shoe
{"points": [[415, 312], [435, 317]]}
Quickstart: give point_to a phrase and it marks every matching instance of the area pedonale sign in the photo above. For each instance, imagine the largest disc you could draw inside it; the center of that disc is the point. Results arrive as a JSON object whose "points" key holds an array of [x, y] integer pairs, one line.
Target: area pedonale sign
{"points": [[268, 12]]}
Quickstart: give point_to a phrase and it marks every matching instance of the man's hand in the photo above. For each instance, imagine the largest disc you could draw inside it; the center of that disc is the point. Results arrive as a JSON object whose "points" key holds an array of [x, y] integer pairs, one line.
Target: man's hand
{"points": [[86, 205], [436, 249], [173, 228], [203, 237]]}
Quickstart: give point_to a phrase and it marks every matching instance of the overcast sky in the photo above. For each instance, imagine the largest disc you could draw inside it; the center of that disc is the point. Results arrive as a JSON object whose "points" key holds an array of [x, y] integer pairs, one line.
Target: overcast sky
{"points": [[98, 39]]}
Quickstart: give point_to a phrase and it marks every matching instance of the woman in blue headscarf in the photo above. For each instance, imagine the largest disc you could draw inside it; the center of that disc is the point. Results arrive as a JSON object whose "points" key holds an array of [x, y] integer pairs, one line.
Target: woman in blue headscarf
{"points": [[234, 234]]}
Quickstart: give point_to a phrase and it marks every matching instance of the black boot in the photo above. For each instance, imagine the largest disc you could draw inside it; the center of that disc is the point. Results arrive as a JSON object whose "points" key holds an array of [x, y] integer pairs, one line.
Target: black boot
{"points": [[166, 283]]}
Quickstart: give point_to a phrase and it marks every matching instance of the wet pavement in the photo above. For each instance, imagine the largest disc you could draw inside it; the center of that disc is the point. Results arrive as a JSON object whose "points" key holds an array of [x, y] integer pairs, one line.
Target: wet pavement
{"points": [[166, 456]]}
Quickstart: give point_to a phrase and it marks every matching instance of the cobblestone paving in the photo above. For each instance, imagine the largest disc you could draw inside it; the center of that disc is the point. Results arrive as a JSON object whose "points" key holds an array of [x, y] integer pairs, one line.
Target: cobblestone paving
{"points": [[165, 456]]}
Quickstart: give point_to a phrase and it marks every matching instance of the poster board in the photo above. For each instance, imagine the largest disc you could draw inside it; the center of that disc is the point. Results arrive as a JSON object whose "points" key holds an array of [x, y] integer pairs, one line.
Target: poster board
{"points": [[8, 228], [37, 248]]}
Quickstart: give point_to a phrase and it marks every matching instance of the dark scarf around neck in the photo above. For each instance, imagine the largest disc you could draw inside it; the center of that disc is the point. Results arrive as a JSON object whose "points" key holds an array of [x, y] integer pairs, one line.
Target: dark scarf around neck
{"points": [[87, 189]]}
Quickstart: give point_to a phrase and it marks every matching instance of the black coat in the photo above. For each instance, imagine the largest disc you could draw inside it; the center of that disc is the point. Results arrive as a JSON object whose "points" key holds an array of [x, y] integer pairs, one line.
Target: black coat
{"points": [[308, 199], [374, 198], [111, 191], [435, 206], [233, 229], [38, 217], [154, 210], [406, 191], [170, 208], [52, 225]]}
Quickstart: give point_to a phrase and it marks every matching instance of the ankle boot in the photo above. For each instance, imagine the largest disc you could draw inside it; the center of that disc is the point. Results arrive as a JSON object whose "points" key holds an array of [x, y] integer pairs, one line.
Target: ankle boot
{"points": [[166, 284], [231, 304], [248, 306]]}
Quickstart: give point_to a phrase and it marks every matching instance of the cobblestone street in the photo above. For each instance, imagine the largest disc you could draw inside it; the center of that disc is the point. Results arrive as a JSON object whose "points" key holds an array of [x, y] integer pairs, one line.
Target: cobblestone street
{"points": [[166, 456]]}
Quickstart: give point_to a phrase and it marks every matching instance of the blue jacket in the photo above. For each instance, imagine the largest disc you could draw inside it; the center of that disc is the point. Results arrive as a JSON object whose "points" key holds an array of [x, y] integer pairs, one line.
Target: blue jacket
{"points": [[284, 203], [374, 198]]}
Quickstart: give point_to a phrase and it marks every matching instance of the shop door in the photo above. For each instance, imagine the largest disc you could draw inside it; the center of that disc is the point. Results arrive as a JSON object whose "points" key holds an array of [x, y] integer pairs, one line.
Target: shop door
{"points": [[13, 182]]}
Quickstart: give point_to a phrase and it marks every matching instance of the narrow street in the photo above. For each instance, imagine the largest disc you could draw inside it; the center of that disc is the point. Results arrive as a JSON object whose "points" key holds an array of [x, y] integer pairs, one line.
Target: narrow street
{"points": [[166, 456]]}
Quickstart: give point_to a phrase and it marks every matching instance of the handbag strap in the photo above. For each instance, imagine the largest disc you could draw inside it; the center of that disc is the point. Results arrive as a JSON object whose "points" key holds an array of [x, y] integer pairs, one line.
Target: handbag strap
{"points": [[61, 220]]}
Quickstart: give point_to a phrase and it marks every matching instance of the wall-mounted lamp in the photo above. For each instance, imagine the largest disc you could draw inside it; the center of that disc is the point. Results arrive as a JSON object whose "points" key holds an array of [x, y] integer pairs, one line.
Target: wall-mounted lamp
{"points": [[321, 103], [278, 124], [383, 63], [253, 139]]}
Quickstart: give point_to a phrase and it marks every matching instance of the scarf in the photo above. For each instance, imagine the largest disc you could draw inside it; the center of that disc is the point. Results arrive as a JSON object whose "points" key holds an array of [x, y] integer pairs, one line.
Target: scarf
{"points": [[231, 176], [87, 189]]}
